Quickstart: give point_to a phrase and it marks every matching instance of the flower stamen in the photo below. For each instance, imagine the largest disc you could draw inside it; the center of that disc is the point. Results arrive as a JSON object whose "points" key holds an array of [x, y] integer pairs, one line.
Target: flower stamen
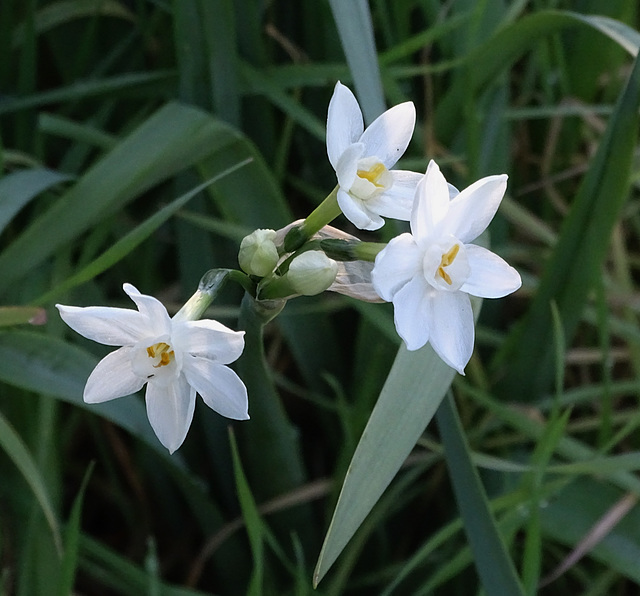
{"points": [[373, 174], [447, 259], [162, 351]]}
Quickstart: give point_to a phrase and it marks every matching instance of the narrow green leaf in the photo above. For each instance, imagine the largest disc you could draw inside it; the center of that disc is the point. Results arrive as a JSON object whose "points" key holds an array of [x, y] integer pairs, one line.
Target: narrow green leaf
{"points": [[410, 397], [71, 540], [18, 188], [486, 62], [569, 516], [63, 11], [579, 253], [258, 82], [156, 82], [75, 131], [495, 567], [173, 138], [219, 31], [14, 447], [113, 570], [353, 20], [19, 315], [252, 519], [128, 242]]}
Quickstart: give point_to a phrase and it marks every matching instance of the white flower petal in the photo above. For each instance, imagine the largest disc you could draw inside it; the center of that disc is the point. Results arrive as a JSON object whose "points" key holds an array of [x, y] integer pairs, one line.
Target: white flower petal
{"points": [[112, 378], [395, 265], [347, 165], [209, 339], [152, 309], [106, 325], [473, 209], [344, 122], [388, 136], [411, 312], [170, 411], [431, 204], [219, 386], [491, 276], [357, 213], [397, 202], [452, 328]]}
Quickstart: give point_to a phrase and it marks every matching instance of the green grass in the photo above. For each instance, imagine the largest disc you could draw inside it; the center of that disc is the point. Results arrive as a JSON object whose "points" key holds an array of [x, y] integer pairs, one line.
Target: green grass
{"points": [[141, 140]]}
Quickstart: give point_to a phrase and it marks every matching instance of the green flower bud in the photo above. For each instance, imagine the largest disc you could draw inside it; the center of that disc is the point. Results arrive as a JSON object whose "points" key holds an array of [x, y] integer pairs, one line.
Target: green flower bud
{"points": [[258, 253], [312, 272]]}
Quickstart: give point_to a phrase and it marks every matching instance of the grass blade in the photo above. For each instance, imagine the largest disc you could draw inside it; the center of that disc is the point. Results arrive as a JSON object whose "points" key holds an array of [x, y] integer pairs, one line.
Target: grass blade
{"points": [[173, 138], [496, 570], [17, 451], [128, 242], [579, 252], [72, 539]]}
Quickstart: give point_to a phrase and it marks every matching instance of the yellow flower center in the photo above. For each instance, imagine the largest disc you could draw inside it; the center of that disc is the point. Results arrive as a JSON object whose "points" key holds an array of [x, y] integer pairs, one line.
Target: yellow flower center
{"points": [[162, 352], [447, 259], [373, 174]]}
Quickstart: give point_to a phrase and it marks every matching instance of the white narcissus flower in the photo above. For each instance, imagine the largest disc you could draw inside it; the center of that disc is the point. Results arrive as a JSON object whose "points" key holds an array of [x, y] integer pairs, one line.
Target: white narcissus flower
{"points": [[429, 273], [368, 189], [175, 358]]}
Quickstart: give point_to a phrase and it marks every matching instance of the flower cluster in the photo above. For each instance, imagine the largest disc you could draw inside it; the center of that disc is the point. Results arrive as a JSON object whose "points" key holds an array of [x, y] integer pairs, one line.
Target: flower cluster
{"points": [[428, 274]]}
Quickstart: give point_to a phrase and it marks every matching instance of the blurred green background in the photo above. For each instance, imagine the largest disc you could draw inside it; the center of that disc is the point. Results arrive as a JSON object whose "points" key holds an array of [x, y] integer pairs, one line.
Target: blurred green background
{"points": [[113, 113]]}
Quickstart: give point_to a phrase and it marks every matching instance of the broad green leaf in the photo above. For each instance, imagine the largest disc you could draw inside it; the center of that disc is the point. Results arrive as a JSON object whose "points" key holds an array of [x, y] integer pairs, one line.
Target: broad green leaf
{"points": [[18, 188], [496, 570], [410, 397], [579, 252], [12, 444], [47, 365], [353, 20], [173, 138]]}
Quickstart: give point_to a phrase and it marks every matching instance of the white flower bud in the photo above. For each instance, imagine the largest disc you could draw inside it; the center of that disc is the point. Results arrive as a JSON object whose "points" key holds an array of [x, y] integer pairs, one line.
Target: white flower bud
{"points": [[258, 253], [312, 272]]}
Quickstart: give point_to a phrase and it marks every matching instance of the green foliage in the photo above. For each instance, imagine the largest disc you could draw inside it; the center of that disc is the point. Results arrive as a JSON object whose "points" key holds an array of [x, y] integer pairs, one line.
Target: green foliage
{"points": [[140, 141]]}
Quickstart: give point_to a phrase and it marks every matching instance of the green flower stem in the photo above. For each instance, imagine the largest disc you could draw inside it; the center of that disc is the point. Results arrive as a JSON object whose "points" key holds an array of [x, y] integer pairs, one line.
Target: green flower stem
{"points": [[271, 448], [351, 250], [210, 285], [322, 215]]}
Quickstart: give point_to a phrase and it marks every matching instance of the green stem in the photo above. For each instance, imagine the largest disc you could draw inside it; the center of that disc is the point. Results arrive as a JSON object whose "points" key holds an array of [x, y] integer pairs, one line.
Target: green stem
{"points": [[322, 215], [351, 250], [271, 448], [208, 288]]}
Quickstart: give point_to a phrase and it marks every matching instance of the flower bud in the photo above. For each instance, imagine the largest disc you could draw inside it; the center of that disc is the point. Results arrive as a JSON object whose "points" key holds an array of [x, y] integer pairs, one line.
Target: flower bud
{"points": [[258, 253], [312, 272]]}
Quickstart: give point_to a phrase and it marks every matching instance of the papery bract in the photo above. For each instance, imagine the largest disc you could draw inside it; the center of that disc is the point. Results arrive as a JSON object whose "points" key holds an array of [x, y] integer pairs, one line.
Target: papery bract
{"points": [[368, 188], [429, 273], [174, 358]]}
